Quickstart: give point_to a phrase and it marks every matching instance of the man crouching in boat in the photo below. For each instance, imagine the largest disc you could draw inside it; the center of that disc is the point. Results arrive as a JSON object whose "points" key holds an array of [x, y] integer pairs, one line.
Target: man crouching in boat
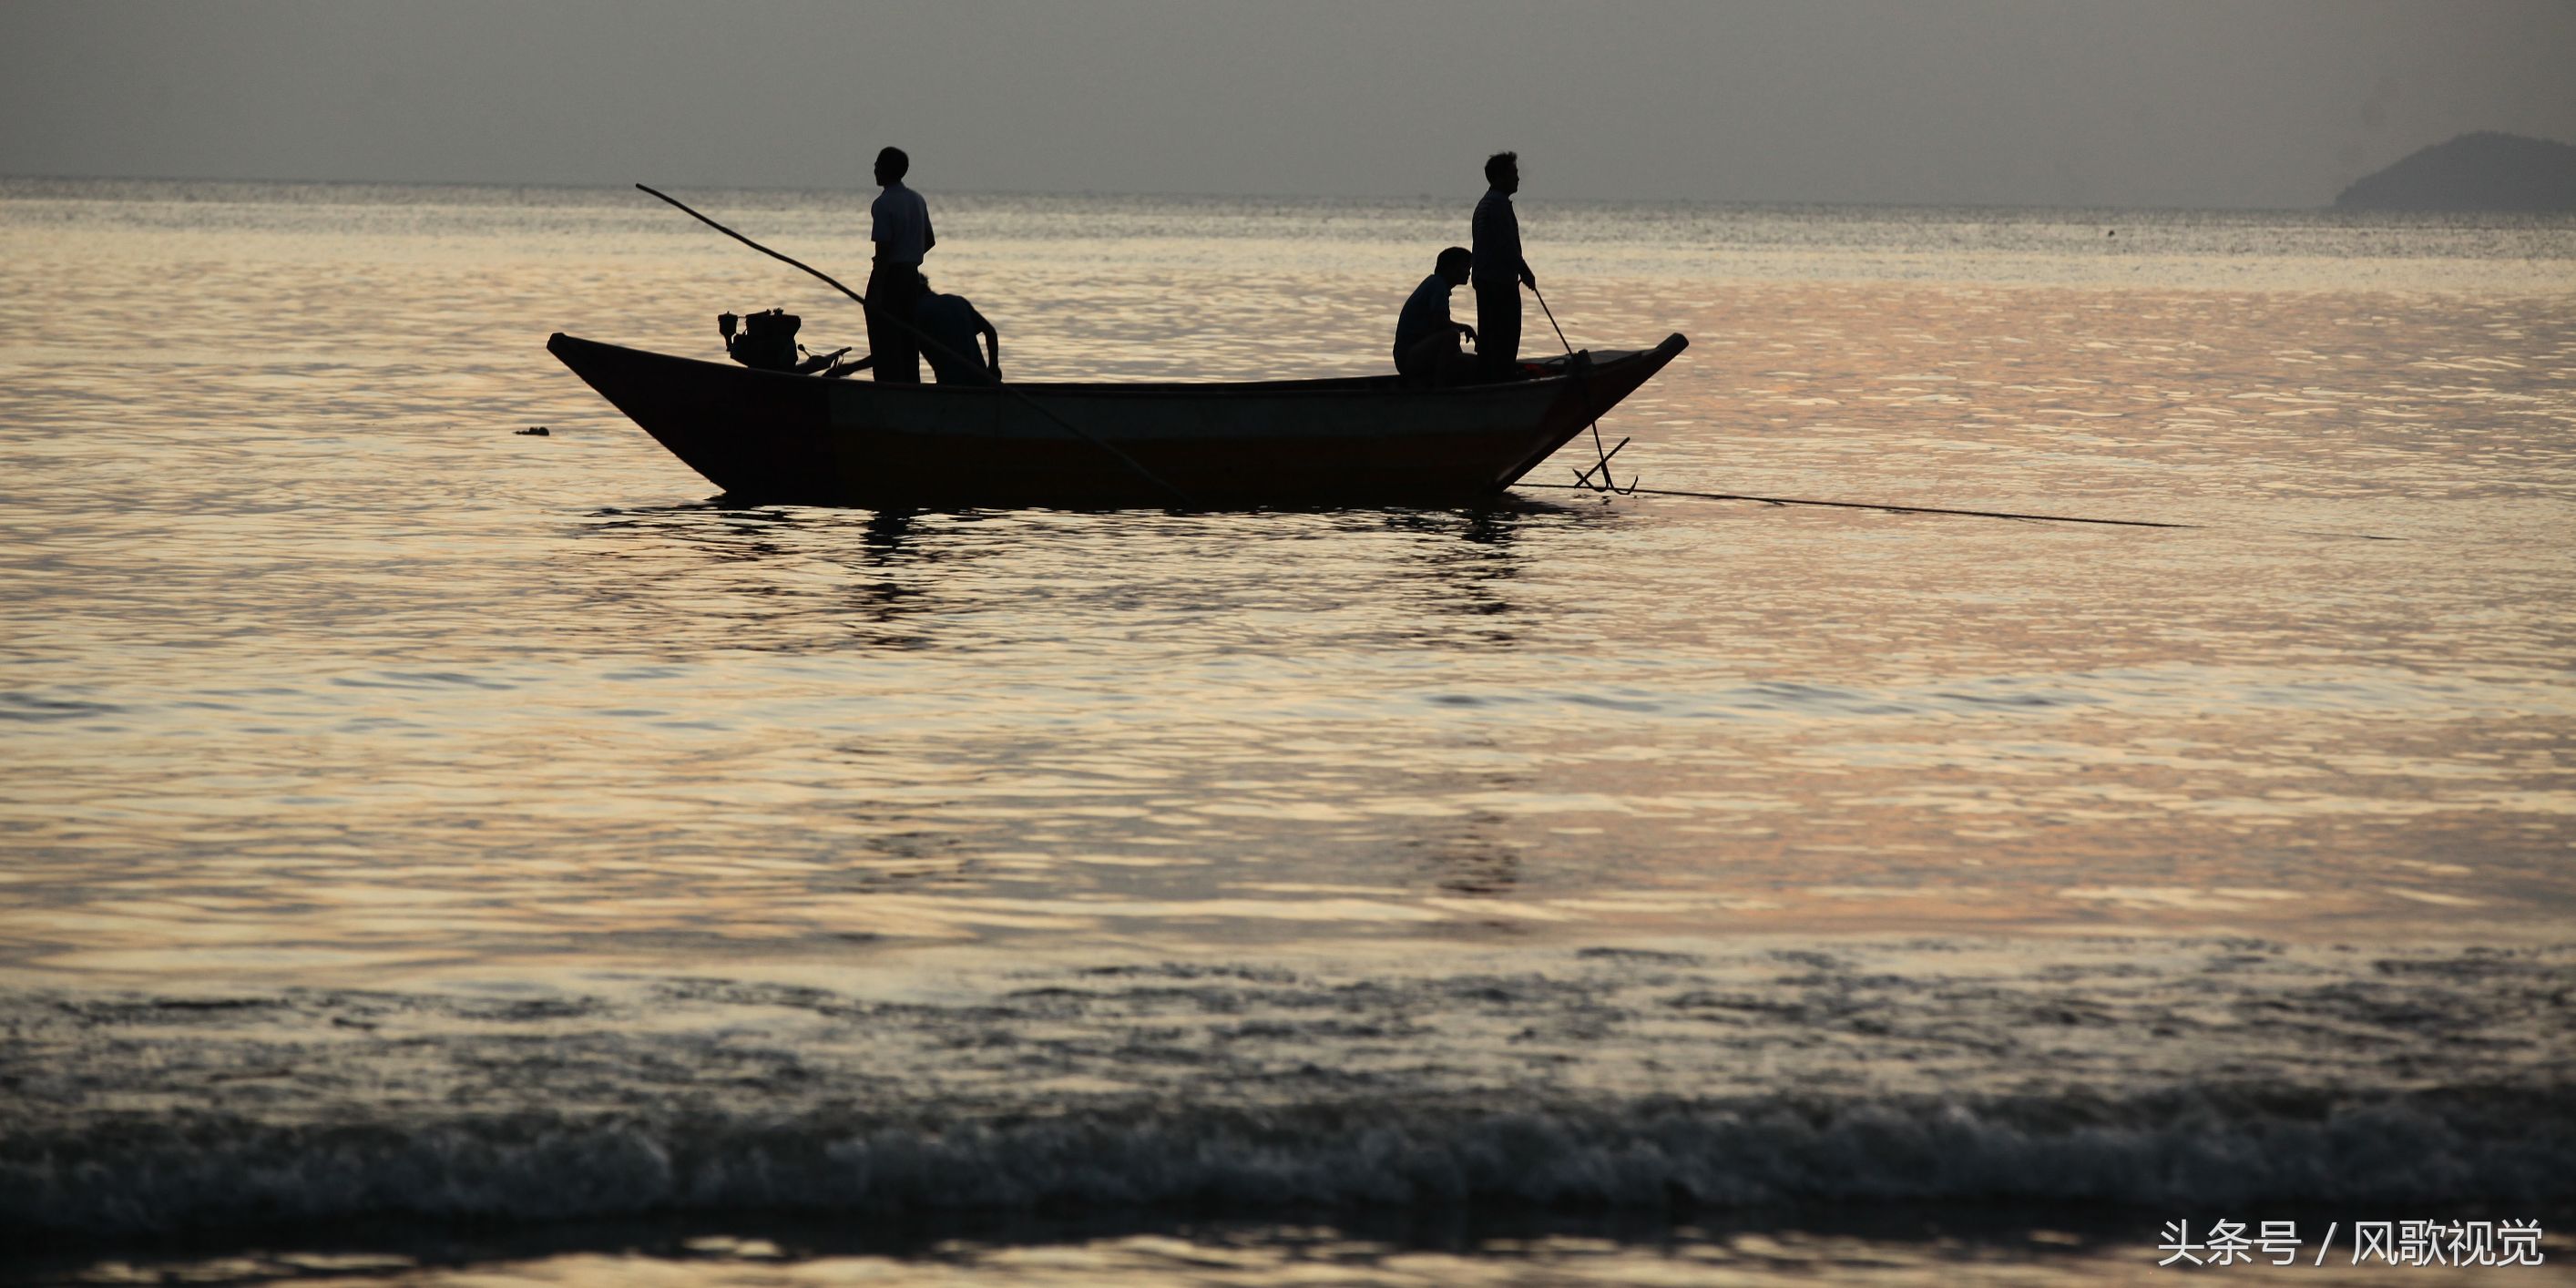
{"points": [[949, 323], [1426, 341]]}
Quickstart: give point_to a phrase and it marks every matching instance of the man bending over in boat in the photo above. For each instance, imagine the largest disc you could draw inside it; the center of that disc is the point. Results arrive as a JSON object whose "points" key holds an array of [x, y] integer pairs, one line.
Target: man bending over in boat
{"points": [[950, 324], [1426, 341], [899, 223], [1500, 271]]}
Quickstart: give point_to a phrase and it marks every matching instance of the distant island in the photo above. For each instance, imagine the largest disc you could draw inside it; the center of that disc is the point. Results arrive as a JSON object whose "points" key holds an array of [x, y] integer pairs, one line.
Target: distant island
{"points": [[2482, 171]]}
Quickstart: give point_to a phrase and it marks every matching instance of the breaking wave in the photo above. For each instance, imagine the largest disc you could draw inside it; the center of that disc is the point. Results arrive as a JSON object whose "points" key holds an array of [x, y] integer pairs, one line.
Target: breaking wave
{"points": [[2197, 1148], [2178, 1075]]}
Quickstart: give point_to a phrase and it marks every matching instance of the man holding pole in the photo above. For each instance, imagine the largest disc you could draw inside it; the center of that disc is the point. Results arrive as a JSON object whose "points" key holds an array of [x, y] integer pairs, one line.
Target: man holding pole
{"points": [[899, 223], [1499, 270]]}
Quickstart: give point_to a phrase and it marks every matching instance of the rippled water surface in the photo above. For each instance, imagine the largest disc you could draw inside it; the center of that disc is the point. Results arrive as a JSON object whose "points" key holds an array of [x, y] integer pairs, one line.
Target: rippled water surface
{"points": [[322, 683]]}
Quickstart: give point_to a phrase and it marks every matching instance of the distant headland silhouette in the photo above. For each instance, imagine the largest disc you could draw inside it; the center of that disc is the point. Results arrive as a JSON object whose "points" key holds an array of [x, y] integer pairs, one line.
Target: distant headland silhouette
{"points": [[2481, 171]]}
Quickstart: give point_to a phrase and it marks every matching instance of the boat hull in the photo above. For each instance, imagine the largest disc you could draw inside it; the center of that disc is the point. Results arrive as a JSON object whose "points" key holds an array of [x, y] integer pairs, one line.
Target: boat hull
{"points": [[770, 436]]}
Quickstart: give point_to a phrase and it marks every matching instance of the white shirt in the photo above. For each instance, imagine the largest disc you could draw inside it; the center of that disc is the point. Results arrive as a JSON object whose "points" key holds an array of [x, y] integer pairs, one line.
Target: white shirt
{"points": [[1496, 240], [899, 223]]}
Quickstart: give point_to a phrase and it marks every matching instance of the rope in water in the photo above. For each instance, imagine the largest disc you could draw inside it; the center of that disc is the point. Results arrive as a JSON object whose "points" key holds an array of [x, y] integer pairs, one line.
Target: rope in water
{"points": [[1874, 505], [1932, 509]]}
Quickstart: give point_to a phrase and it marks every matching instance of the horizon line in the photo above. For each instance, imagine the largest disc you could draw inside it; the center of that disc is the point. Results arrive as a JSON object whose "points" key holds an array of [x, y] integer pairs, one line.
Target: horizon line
{"points": [[614, 186]]}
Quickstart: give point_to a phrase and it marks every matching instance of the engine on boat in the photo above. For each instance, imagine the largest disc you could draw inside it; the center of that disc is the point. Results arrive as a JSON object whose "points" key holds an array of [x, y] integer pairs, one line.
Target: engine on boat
{"points": [[768, 339], [768, 342]]}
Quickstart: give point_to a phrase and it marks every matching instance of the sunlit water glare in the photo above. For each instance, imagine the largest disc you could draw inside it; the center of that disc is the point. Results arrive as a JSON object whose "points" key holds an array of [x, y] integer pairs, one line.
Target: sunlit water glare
{"points": [[327, 691]]}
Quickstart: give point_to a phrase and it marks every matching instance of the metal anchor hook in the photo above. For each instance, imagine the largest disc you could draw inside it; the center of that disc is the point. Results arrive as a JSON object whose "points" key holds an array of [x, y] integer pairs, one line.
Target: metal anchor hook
{"points": [[1580, 366], [1583, 477]]}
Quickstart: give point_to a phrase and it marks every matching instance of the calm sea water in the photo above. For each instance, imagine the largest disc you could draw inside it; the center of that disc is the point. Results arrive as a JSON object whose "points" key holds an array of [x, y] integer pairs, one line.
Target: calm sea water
{"points": [[429, 846]]}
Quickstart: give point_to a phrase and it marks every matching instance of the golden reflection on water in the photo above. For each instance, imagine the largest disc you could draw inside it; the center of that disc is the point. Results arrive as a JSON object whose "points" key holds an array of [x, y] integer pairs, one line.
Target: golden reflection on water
{"points": [[313, 665]]}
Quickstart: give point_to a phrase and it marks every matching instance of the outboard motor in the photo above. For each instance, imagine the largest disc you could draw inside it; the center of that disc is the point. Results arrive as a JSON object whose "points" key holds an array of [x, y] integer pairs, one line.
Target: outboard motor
{"points": [[767, 342]]}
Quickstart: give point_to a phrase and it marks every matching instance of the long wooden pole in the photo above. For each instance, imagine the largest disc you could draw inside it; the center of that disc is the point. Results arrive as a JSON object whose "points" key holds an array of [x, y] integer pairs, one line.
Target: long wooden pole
{"points": [[1034, 405]]}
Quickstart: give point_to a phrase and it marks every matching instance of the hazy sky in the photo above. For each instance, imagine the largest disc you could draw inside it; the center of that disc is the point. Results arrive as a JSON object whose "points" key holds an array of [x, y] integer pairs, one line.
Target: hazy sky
{"points": [[2149, 102]]}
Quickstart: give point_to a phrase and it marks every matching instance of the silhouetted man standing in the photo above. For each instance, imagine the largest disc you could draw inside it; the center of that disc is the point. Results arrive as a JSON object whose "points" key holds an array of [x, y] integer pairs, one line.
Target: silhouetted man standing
{"points": [[899, 223], [1499, 270]]}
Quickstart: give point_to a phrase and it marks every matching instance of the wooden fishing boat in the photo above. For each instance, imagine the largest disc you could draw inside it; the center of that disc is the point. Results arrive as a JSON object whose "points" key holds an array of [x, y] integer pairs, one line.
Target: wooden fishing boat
{"points": [[1366, 440]]}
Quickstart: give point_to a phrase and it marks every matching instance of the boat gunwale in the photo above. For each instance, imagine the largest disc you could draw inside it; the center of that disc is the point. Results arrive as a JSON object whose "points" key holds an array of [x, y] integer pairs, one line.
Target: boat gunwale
{"points": [[1323, 386]]}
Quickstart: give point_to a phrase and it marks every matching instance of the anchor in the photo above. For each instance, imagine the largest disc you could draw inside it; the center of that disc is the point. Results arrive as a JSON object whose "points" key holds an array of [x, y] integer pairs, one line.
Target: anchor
{"points": [[1579, 365]]}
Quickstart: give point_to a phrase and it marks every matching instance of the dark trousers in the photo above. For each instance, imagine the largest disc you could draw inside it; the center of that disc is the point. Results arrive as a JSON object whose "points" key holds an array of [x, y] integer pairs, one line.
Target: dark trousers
{"points": [[894, 291], [1434, 360], [1498, 330]]}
